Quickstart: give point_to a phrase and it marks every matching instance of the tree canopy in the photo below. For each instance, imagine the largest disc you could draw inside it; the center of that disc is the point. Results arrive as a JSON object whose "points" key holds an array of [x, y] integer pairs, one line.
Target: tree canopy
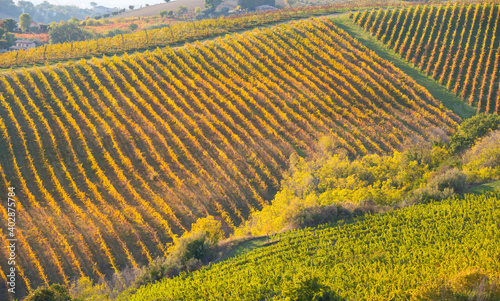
{"points": [[25, 21], [67, 32]]}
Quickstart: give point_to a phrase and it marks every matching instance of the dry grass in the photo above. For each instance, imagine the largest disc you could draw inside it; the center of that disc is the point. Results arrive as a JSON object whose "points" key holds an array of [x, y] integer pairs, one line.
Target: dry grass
{"points": [[153, 10]]}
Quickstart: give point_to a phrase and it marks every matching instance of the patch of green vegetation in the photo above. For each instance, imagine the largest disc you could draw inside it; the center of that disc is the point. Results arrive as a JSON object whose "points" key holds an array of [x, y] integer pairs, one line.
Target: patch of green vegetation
{"points": [[439, 92], [247, 246], [484, 188], [421, 252]]}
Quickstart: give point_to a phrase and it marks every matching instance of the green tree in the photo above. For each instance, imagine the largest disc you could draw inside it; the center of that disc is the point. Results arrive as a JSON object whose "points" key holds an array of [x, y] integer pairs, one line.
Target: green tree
{"points": [[131, 7], [167, 1], [473, 129], [170, 13], [133, 26], [67, 32], [182, 10], [163, 13], [212, 4], [25, 21], [8, 24]]}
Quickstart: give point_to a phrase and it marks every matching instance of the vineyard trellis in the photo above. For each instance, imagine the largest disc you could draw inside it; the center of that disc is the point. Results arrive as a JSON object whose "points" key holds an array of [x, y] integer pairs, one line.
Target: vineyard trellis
{"points": [[379, 257], [116, 157], [457, 44]]}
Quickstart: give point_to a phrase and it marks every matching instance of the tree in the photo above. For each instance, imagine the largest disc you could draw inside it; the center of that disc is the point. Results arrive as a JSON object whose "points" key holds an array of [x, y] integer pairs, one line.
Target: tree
{"points": [[66, 32], [182, 10], [26, 6], [7, 40], [170, 13], [163, 13], [93, 4], [9, 24], [131, 7], [25, 21], [212, 4], [167, 1], [133, 26]]}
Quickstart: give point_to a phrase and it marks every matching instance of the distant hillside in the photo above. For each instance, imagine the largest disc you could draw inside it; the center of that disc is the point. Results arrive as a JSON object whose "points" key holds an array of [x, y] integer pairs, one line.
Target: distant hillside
{"points": [[153, 10], [174, 5], [112, 158]]}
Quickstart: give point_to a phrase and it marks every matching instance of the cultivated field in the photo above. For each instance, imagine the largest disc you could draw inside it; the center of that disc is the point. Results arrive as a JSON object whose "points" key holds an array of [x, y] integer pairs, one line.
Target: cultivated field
{"points": [[457, 44], [113, 158], [439, 251]]}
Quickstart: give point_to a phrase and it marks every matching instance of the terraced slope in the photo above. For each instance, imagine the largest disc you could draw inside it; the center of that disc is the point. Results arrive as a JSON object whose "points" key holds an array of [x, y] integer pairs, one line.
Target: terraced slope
{"points": [[458, 45], [383, 257], [111, 159]]}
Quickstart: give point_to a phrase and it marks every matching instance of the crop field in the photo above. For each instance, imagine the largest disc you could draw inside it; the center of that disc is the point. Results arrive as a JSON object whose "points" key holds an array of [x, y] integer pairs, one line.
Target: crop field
{"points": [[456, 44], [392, 256], [167, 33], [113, 158]]}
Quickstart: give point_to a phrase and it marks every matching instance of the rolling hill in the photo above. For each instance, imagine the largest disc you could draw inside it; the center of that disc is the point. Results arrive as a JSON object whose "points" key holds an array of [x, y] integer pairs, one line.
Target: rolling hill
{"points": [[113, 158], [438, 251]]}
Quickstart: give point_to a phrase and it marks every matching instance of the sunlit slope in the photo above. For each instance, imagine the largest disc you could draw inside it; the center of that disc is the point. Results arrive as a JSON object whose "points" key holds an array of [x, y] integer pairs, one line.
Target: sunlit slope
{"points": [[458, 45], [383, 257], [111, 158]]}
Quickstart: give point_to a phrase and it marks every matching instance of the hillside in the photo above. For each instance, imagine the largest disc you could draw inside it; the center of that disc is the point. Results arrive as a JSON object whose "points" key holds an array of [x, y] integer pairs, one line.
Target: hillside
{"points": [[113, 158], [167, 32], [153, 10], [438, 251], [457, 44]]}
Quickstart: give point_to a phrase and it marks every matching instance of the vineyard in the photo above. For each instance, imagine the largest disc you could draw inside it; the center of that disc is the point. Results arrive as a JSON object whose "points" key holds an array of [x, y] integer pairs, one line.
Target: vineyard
{"points": [[170, 34], [389, 256], [114, 158], [457, 44]]}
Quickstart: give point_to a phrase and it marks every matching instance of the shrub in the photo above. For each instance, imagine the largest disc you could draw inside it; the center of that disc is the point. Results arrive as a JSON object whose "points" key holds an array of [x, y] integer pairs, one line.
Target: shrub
{"points": [[439, 188], [182, 10], [189, 254], [133, 26], [472, 129], [156, 270], [163, 13], [452, 179], [55, 292], [482, 161], [314, 216], [113, 32], [155, 26], [170, 13]]}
